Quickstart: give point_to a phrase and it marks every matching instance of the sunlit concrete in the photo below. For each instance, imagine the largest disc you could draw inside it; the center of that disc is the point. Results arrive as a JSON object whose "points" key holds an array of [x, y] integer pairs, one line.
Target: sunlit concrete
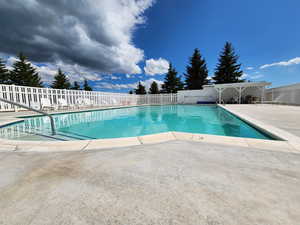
{"points": [[282, 116], [178, 182]]}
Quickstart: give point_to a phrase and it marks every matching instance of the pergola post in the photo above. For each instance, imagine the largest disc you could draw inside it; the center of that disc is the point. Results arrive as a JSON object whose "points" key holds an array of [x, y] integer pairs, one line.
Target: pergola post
{"points": [[262, 94], [272, 95], [240, 91], [240, 87], [220, 90], [240, 95]]}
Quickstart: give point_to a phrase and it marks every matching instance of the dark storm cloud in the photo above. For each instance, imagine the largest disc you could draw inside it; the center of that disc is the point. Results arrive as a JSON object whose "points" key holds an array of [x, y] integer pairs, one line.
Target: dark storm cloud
{"points": [[91, 33]]}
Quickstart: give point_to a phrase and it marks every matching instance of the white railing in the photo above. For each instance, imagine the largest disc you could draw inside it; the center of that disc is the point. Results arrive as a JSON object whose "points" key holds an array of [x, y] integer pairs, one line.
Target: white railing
{"points": [[31, 96], [157, 99]]}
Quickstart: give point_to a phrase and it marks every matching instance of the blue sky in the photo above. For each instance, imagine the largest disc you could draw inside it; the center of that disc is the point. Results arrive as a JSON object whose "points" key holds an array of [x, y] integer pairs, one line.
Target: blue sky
{"points": [[264, 33]]}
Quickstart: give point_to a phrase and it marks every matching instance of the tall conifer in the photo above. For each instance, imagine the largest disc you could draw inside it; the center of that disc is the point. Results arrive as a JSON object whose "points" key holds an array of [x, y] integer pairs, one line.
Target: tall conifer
{"points": [[172, 82], [228, 69], [196, 73], [140, 90], [86, 86], [24, 74], [61, 81], [154, 88]]}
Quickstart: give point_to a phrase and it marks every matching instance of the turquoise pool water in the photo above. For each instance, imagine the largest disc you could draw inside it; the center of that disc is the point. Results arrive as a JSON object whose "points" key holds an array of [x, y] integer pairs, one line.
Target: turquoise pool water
{"points": [[134, 121]]}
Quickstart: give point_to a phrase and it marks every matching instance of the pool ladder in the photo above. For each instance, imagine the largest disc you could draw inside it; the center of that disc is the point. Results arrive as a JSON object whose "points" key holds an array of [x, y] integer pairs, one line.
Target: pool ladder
{"points": [[34, 110]]}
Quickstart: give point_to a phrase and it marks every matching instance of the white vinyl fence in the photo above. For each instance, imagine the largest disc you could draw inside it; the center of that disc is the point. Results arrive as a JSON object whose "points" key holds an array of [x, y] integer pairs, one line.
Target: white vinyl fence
{"points": [[158, 99], [31, 96], [289, 94]]}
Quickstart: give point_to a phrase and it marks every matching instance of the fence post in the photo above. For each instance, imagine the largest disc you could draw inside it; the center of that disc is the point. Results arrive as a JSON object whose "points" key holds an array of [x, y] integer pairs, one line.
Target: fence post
{"points": [[14, 97], [26, 96]]}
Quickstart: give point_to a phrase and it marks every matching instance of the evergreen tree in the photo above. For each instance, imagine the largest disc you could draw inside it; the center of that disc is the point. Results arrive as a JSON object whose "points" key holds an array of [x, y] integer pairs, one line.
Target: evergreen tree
{"points": [[76, 86], [4, 74], [141, 90], [196, 72], [24, 73], [172, 82], [61, 81], [228, 70], [131, 92], [154, 88], [86, 86]]}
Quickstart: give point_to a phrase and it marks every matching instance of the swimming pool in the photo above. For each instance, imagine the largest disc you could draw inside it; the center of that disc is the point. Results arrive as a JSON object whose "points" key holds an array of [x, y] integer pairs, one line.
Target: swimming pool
{"points": [[132, 122]]}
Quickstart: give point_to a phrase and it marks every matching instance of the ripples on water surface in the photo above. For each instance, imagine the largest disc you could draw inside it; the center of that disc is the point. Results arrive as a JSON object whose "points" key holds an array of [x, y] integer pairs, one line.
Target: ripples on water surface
{"points": [[134, 121]]}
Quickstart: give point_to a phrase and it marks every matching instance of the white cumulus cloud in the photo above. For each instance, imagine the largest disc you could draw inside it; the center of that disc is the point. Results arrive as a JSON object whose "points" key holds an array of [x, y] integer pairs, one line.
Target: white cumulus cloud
{"points": [[244, 76], [156, 66], [107, 85], [252, 76], [290, 62]]}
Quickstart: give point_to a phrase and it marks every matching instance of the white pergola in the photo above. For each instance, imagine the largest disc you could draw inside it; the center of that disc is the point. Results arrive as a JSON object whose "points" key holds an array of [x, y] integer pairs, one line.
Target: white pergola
{"points": [[240, 87]]}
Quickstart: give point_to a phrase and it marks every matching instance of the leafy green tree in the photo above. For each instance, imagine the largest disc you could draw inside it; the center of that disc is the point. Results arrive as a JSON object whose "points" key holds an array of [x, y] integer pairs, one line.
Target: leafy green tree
{"points": [[154, 88], [4, 73], [75, 86], [140, 90], [228, 69], [86, 86], [172, 82], [24, 74], [196, 73], [61, 81]]}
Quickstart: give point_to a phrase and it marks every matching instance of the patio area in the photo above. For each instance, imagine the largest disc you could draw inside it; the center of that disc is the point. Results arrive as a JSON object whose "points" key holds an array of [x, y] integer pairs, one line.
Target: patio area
{"points": [[187, 179], [281, 116], [177, 182]]}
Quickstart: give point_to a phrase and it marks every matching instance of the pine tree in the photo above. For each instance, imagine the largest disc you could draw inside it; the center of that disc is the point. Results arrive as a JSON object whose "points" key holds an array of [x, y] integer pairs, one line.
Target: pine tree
{"points": [[154, 88], [76, 86], [172, 82], [86, 86], [141, 90], [196, 72], [24, 73], [4, 73], [61, 81], [228, 70]]}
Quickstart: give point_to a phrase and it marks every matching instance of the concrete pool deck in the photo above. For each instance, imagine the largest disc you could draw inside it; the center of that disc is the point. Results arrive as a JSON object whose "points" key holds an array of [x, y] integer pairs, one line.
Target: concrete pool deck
{"points": [[177, 182], [168, 178], [282, 116]]}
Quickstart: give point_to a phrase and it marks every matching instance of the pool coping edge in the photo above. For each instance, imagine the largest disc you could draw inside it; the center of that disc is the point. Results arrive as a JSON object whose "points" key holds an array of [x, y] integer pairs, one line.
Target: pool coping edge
{"points": [[98, 144]]}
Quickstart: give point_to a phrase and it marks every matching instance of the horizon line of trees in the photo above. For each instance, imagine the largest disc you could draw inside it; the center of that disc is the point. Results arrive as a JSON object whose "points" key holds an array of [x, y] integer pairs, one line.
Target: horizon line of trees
{"points": [[24, 74], [228, 70]]}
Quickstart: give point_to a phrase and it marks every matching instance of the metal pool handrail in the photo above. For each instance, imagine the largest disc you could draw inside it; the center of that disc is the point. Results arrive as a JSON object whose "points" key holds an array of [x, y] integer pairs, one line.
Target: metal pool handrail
{"points": [[34, 110]]}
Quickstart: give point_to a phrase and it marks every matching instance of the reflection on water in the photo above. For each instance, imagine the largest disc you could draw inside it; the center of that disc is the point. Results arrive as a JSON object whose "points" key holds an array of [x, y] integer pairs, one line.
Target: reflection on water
{"points": [[134, 121]]}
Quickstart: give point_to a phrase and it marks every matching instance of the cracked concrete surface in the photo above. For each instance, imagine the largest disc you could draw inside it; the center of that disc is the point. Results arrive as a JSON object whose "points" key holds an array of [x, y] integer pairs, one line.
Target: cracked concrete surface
{"points": [[178, 182]]}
